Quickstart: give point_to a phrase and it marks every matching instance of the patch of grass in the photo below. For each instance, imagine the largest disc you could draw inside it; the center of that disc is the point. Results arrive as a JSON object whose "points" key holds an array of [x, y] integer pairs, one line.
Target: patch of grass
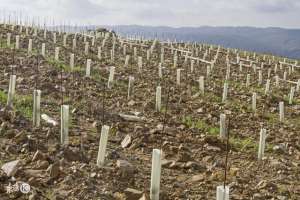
{"points": [[22, 103], [296, 101], [295, 121], [200, 125], [113, 131], [60, 64], [259, 89], [98, 77], [213, 97], [188, 121], [194, 89], [286, 99], [214, 131], [272, 117], [269, 147], [238, 106], [236, 84], [243, 144], [50, 194], [3, 97], [240, 144], [3, 44], [163, 109], [248, 144]]}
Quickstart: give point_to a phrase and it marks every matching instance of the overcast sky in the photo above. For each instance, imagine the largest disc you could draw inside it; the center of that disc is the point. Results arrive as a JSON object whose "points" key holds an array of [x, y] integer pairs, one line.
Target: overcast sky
{"points": [[261, 13]]}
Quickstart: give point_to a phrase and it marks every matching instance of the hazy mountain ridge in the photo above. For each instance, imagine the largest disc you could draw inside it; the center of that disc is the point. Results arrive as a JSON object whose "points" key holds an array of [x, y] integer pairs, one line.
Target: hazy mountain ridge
{"points": [[278, 41]]}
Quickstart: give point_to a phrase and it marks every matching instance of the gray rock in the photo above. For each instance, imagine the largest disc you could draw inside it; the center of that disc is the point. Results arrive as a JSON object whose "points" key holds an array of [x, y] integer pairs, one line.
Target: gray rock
{"points": [[54, 170], [126, 141], [38, 156], [133, 194], [126, 168], [11, 168], [196, 178]]}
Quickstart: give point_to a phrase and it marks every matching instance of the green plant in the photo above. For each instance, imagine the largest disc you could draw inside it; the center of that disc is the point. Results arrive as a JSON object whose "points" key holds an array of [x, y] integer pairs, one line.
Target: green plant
{"points": [[200, 125], [214, 131], [188, 121], [60, 64], [22, 103]]}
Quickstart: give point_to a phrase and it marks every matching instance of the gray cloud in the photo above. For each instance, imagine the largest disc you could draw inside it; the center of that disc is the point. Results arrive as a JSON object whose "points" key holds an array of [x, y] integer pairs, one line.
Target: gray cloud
{"points": [[277, 6], [282, 13]]}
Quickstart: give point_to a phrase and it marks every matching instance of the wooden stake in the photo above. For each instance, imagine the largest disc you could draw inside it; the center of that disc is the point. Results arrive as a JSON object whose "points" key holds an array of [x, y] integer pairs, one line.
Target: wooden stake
{"points": [[135, 53], [207, 71], [281, 111], [284, 75], [111, 77], [11, 90], [223, 190], [148, 55], [43, 49], [225, 92], [99, 54], [140, 63], [74, 43], [160, 75], [291, 96], [298, 85], [262, 143], [260, 79], [158, 99], [127, 58], [222, 126], [267, 89], [162, 59], [222, 194], [130, 86], [192, 66], [45, 34], [88, 68], [17, 46], [8, 39], [201, 84], [254, 97], [175, 61], [277, 81], [65, 40], [248, 80], [102, 145], [56, 56], [36, 108], [155, 174], [29, 46], [72, 61], [178, 77], [64, 131], [86, 48], [54, 38]]}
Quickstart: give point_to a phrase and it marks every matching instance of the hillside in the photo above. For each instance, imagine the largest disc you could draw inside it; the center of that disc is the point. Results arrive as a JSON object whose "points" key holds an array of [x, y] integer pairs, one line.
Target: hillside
{"points": [[278, 41], [94, 115]]}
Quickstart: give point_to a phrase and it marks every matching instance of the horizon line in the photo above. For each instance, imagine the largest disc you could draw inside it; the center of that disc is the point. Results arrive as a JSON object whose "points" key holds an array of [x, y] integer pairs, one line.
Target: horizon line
{"points": [[179, 27]]}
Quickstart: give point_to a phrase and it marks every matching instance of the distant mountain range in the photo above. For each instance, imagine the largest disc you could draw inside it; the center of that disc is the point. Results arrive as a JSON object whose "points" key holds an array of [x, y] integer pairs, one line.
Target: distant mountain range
{"points": [[278, 41]]}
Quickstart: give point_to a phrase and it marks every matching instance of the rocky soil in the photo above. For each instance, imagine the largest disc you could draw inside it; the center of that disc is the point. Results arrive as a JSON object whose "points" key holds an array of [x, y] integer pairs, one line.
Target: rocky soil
{"points": [[186, 130]]}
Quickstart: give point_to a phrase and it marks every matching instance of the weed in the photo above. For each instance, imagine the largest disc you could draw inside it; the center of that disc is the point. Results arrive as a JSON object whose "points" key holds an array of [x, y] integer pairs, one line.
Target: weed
{"points": [[60, 64], [22, 103], [200, 125]]}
